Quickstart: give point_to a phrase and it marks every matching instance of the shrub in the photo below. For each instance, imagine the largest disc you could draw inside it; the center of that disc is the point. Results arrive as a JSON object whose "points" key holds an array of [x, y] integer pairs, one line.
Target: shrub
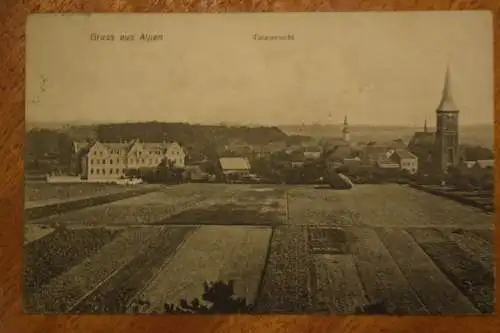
{"points": [[373, 308], [218, 298]]}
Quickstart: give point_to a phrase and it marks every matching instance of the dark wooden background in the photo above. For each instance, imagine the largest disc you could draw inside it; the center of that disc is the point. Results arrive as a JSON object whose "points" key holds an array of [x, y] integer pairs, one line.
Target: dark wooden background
{"points": [[12, 28]]}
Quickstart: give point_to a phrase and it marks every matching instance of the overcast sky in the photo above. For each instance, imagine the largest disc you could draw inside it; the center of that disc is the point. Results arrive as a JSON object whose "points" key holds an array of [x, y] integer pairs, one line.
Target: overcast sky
{"points": [[379, 68]]}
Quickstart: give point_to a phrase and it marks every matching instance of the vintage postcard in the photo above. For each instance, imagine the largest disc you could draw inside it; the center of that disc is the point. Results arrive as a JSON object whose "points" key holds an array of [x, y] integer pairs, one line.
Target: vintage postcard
{"points": [[329, 163]]}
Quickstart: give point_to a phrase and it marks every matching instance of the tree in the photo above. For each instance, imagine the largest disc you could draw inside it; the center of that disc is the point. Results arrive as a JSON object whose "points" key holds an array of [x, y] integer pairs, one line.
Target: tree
{"points": [[474, 153], [458, 179]]}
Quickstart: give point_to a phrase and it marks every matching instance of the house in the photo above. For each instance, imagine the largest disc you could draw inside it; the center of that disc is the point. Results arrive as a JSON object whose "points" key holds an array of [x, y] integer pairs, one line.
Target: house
{"points": [[276, 146], [239, 147], [80, 145], [339, 153], [269, 149], [235, 166], [466, 165], [109, 160], [397, 144], [406, 160], [373, 153], [351, 165], [297, 159], [195, 172], [313, 152], [484, 164], [294, 148], [386, 164]]}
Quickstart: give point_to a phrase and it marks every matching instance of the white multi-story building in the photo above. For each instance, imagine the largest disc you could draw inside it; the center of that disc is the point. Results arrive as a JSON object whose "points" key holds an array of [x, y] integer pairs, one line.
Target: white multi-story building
{"points": [[105, 160]]}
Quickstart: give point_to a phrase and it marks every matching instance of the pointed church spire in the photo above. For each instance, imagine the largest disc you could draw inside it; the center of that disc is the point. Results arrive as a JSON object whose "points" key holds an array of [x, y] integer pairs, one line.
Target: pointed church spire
{"points": [[345, 130], [447, 103]]}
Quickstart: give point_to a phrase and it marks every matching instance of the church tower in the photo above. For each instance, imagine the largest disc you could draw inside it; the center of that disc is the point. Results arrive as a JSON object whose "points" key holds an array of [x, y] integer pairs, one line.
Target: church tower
{"points": [[447, 130], [345, 131]]}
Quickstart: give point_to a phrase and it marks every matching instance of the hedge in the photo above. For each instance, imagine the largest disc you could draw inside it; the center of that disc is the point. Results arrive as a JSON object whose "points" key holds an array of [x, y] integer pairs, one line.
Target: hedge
{"points": [[457, 197]]}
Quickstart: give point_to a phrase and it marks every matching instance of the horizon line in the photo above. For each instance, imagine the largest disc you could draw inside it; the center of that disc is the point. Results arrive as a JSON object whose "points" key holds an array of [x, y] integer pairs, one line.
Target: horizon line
{"points": [[229, 123]]}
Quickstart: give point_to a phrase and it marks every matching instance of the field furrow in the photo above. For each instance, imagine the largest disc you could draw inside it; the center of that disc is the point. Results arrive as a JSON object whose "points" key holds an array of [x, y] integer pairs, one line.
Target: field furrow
{"points": [[432, 287], [57, 252], [143, 209], [476, 282], [65, 290], [337, 288], [212, 253], [382, 278], [263, 207], [474, 245], [286, 286], [33, 232], [115, 293]]}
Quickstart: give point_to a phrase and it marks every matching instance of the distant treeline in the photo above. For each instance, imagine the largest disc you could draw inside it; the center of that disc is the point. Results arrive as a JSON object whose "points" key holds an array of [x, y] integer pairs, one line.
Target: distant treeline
{"points": [[188, 133]]}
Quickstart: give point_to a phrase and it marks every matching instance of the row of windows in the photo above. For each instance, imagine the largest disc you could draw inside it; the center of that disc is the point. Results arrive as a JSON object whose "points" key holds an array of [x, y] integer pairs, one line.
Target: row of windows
{"points": [[142, 161], [408, 164], [130, 161], [104, 161], [103, 171], [138, 153]]}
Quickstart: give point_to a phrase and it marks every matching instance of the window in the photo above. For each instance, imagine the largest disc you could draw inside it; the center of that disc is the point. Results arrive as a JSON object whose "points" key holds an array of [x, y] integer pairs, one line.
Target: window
{"points": [[100, 153], [94, 153], [142, 160], [110, 171], [117, 161], [97, 171], [103, 171], [110, 161], [117, 171], [91, 161], [98, 161], [103, 161], [150, 161], [450, 156], [91, 171]]}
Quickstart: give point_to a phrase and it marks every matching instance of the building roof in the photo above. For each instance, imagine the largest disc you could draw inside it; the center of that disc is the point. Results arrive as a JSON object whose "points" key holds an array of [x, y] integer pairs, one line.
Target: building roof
{"points": [[447, 103], [387, 164], [397, 144], [117, 145], [313, 149], [469, 164], [351, 161], [297, 157], [375, 152], [234, 163], [126, 146], [79, 145], [403, 153], [485, 163], [333, 142], [422, 139], [340, 153]]}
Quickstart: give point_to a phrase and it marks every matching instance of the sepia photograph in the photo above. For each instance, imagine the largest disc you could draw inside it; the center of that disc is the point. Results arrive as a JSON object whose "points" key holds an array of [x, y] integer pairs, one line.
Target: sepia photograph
{"points": [[271, 163]]}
